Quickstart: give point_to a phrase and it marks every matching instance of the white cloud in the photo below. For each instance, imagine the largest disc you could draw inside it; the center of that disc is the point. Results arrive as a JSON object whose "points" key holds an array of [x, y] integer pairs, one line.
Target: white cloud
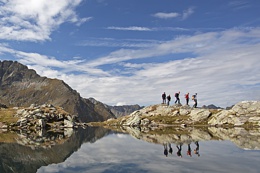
{"points": [[131, 28], [124, 43], [184, 15], [123, 153], [121, 103], [32, 20], [239, 4], [166, 15], [222, 67], [187, 13]]}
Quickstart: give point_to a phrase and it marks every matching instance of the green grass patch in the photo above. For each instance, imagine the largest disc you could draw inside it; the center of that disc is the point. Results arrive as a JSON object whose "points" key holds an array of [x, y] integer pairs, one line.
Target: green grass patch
{"points": [[7, 116], [8, 137], [168, 119]]}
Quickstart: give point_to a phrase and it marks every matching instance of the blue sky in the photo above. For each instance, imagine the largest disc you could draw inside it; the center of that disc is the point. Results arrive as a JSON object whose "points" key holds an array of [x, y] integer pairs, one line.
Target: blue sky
{"points": [[130, 52]]}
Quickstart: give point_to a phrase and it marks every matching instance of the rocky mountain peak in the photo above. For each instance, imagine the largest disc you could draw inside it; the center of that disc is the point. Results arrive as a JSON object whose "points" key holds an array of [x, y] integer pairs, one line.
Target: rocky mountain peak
{"points": [[20, 86]]}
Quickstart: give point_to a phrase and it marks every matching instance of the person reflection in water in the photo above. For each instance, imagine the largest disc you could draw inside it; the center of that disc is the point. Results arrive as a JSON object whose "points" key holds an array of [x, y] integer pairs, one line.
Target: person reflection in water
{"points": [[179, 150], [189, 150], [165, 150], [170, 148], [196, 150]]}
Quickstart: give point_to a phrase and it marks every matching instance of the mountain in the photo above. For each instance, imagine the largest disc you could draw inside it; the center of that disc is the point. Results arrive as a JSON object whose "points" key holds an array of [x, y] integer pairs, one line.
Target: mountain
{"points": [[120, 111], [211, 106], [21, 87]]}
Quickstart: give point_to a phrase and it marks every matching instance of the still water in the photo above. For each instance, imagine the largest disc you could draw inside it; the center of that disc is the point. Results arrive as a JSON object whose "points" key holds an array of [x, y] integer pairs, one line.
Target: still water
{"points": [[100, 150]]}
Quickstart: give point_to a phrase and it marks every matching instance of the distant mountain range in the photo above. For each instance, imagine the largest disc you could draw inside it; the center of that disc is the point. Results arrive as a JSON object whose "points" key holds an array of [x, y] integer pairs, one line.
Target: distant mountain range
{"points": [[21, 87], [120, 111], [211, 106]]}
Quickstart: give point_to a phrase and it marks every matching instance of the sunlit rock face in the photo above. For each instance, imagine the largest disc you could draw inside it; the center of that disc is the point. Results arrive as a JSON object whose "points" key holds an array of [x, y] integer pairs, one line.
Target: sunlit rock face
{"points": [[245, 112]]}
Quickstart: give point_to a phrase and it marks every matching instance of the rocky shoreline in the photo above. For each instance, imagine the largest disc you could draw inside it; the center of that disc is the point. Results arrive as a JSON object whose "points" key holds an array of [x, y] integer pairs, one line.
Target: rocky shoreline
{"points": [[38, 117], [47, 116], [242, 114], [152, 123]]}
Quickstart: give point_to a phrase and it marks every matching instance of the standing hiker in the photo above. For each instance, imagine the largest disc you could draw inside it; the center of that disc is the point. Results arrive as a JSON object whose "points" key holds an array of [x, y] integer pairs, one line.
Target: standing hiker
{"points": [[187, 98], [165, 151], [196, 151], [179, 150], [177, 97], [168, 99], [164, 98], [194, 98], [189, 150]]}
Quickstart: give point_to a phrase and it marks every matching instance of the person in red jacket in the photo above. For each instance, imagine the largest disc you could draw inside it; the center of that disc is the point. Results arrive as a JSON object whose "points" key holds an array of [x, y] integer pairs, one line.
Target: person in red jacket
{"points": [[187, 98]]}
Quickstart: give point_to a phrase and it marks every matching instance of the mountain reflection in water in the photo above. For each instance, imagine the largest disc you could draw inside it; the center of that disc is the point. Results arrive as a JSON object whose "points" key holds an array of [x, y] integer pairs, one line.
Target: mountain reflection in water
{"points": [[161, 150]]}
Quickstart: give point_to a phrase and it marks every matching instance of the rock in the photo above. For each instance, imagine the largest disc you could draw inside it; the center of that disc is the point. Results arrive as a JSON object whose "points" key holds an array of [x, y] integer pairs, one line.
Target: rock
{"points": [[3, 106], [3, 126], [22, 122], [247, 108], [20, 111], [199, 114], [68, 124], [242, 113], [32, 106], [185, 110], [43, 116], [132, 121], [68, 132], [41, 123], [254, 120], [145, 122]]}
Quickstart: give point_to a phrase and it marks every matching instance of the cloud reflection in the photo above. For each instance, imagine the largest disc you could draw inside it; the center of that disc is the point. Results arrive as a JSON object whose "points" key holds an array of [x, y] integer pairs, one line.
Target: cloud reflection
{"points": [[122, 153]]}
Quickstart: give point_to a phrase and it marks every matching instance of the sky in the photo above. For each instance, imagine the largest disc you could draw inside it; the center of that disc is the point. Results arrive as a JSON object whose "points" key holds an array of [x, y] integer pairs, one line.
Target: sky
{"points": [[124, 52]]}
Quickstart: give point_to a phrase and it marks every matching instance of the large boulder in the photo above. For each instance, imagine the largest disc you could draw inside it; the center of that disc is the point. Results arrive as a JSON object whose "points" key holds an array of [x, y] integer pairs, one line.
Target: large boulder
{"points": [[199, 114], [245, 112], [133, 120]]}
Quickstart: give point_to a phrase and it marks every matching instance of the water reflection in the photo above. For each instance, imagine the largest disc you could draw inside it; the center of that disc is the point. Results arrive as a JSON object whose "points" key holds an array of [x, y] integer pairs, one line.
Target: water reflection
{"points": [[179, 149], [27, 152], [96, 149], [119, 153], [244, 138]]}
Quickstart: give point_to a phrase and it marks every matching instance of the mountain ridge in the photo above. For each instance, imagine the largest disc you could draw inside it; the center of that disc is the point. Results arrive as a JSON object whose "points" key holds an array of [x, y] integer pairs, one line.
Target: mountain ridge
{"points": [[21, 87]]}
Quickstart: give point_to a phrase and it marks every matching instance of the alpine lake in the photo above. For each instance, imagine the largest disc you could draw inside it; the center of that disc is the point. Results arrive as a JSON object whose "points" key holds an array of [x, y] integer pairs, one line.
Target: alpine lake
{"points": [[131, 150]]}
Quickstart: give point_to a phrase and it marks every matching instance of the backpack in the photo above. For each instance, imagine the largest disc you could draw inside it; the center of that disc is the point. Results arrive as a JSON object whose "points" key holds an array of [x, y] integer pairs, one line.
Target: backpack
{"points": [[176, 94]]}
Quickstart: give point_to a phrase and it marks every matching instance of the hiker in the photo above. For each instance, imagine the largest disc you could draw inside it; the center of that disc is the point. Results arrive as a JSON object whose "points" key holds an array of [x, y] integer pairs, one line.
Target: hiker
{"points": [[168, 99], [177, 97], [189, 150], [187, 98], [194, 98], [179, 150], [170, 148], [196, 151], [163, 98], [165, 152]]}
